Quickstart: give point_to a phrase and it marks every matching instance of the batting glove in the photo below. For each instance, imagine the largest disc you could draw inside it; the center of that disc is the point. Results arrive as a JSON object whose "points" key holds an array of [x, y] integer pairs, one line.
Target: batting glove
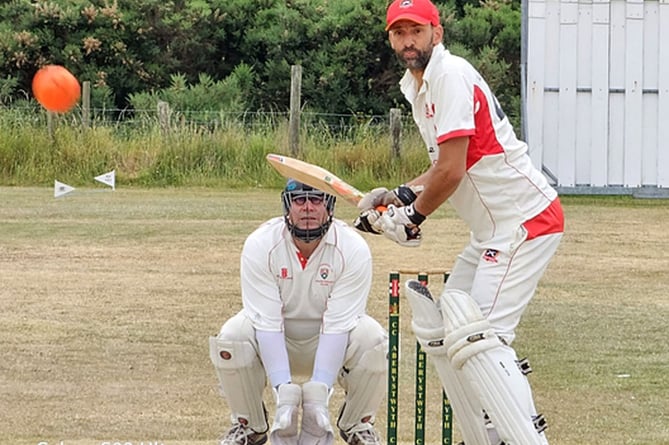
{"points": [[399, 196], [368, 222], [372, 199], [401, 224]]}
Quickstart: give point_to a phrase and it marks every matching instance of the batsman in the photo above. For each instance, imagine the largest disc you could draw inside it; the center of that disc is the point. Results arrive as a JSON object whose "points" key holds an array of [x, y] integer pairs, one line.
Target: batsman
{"points": [[515, 220], [305, 280]]}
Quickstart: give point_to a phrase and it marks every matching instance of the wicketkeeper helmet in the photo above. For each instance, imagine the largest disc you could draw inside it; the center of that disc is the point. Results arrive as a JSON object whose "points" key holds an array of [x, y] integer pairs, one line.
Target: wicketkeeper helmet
{"points": [[295, 189]]}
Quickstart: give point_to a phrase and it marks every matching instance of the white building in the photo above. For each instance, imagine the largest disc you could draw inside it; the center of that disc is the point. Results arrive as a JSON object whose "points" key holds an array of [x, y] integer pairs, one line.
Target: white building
{"points": [[596, 75]]}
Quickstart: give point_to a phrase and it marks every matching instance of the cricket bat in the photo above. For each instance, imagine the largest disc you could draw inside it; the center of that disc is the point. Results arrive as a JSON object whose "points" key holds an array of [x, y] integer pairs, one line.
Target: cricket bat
{"points": [[316, 177]]}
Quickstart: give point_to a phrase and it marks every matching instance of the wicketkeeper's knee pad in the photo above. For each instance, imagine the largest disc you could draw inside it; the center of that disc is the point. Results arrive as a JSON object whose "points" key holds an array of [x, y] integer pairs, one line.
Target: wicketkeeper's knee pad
{"points": [[242, 379]]}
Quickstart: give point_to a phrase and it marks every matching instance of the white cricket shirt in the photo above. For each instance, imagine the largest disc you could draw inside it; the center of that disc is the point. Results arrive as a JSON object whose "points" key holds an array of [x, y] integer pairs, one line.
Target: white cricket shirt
{"points": [[501, 189], [326, 295]]}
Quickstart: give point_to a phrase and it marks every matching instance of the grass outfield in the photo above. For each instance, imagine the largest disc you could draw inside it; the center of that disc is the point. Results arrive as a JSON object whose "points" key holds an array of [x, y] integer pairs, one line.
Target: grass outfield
{"points": [[107, 300]]}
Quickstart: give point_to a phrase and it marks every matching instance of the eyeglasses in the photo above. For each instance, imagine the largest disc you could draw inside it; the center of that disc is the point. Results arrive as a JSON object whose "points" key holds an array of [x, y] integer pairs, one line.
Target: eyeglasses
{"points": [[314, 199]]}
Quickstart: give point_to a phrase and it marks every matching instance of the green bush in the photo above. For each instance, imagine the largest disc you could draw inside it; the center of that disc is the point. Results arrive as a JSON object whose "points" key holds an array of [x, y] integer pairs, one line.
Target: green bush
{"points": [[130, 48]]}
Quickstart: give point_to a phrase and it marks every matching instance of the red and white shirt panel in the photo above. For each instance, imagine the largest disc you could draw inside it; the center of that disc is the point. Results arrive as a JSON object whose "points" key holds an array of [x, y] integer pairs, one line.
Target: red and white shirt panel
{"points": [[502, 189]]}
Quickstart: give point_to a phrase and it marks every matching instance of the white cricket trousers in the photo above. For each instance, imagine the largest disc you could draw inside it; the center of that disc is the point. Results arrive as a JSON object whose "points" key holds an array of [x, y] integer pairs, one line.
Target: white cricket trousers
{"points": [[503, 276]]}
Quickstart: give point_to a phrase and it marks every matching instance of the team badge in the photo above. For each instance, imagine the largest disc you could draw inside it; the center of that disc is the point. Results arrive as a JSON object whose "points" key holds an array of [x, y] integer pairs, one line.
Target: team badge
{"points": [[326, 275], [490, 255]]}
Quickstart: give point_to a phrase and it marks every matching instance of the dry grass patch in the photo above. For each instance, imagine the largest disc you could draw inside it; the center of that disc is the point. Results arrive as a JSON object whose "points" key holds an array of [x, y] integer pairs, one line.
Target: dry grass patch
{"points": [[107, 300]]}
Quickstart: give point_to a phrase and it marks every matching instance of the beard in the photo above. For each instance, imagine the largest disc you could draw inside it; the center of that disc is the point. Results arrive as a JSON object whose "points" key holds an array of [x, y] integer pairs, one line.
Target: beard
{"points": [[417, 62]]}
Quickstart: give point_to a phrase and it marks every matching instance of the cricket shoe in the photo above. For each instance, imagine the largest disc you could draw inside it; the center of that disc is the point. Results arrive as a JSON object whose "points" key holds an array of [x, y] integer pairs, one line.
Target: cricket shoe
{"points": [[240, 434], [361, 435]]}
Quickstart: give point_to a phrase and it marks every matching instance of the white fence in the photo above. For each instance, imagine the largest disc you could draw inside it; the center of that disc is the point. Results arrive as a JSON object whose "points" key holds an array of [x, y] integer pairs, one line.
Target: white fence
{"points": [[597, 93]]}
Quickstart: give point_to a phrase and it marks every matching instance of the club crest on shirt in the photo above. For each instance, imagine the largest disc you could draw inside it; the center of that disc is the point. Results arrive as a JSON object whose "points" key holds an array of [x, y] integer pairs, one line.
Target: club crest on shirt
{"points": [[283, 273], [325, 277], [490, 255]]}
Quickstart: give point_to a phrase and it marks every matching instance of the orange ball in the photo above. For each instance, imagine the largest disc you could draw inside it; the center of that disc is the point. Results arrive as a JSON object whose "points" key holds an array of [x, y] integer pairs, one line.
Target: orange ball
{"points": [[56, 88]]}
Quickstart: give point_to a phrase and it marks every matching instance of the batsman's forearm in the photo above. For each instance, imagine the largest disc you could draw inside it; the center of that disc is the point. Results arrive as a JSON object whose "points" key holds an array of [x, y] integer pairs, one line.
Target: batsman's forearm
{"points": [[418, 182], [439, 186], [444, 176]]}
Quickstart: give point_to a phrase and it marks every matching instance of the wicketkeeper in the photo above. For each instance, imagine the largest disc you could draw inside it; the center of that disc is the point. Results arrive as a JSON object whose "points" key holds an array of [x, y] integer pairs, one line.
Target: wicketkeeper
{"points": [[516, 225], [305, 279]]}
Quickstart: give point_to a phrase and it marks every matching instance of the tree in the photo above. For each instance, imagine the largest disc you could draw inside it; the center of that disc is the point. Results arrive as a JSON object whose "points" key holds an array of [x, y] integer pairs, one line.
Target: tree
{"points": [[127, 48]]}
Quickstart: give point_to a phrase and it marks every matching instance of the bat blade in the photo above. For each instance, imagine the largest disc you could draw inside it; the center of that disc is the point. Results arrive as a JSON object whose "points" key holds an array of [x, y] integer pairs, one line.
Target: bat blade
{"points": [[315, 176]]}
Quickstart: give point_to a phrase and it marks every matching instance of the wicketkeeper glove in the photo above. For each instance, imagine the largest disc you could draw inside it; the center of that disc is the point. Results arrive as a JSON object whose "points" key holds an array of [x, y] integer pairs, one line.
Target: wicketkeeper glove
{"points": [[316, 427], [401, 224], [285, 428]]}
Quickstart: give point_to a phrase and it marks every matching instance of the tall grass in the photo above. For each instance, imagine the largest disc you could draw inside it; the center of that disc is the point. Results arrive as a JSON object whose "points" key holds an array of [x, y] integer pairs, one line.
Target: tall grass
{"points": [[230, 153]]}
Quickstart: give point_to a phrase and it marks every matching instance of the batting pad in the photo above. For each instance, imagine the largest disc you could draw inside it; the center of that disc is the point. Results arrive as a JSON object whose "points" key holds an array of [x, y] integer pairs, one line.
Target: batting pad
{"points": [[242, 380], [428, 325], [365, 388], [426, 321], [471, 341]]}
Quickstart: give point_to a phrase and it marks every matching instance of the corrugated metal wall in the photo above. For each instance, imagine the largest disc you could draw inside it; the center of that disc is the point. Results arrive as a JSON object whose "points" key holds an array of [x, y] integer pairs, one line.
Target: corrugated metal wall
{"points": [[597, 92]]}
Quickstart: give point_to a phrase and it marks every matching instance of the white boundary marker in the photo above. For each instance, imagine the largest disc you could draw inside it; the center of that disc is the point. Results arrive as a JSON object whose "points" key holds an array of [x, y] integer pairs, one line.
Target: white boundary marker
{"points": [[60, 189], [108, 178]]}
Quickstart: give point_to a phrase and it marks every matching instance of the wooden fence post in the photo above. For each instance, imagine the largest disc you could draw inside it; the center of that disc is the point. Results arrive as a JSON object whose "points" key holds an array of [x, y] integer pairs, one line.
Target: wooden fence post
{"points": [[294, 123], [86, 103], [395, 130], [51, 125], [164, 116]]}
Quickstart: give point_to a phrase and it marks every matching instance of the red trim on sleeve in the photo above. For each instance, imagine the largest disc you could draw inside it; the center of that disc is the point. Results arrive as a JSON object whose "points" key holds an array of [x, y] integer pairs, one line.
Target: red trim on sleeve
{"points": [[455, 134], [482, 139], [550, 220]]}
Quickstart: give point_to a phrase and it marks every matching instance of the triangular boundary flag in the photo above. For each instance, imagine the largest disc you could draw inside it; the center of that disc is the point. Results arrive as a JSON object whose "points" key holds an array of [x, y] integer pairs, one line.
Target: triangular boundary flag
{"points": [[108, 178], [60, 189]]}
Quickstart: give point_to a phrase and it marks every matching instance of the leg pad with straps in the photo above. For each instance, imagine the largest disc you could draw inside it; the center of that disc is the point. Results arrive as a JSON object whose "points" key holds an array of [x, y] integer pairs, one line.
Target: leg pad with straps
{"points": [[365, 388], [242, 380], [428, 326], [472, 347]]}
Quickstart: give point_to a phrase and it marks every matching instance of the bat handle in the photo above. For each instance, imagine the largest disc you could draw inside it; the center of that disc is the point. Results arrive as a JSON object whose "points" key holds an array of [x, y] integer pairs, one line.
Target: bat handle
{"points": [[381, 209]]}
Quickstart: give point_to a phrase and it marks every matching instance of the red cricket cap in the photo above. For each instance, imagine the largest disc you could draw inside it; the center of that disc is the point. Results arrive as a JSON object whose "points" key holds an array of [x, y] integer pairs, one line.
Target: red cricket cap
{"points": [[419, 11]]}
